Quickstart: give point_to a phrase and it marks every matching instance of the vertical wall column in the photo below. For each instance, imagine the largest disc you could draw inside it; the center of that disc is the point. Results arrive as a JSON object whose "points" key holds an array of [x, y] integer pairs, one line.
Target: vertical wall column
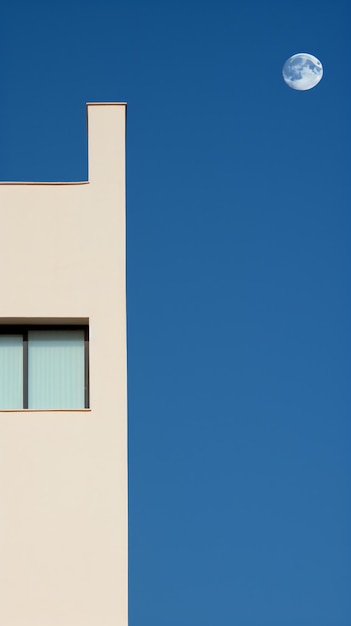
{"points": [[106, 143]]}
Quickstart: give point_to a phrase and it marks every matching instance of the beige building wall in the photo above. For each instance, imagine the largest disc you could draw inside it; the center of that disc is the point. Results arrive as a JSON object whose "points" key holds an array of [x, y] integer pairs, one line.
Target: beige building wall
{"points": [[63, 474]]}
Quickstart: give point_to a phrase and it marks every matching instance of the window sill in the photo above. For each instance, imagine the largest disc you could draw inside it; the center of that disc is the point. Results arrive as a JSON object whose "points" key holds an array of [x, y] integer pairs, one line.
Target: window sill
{"points": [[45, 410]]}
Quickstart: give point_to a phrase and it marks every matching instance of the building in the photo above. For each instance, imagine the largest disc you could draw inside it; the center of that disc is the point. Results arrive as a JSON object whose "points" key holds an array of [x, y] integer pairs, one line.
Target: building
{"points": [[63, 401]]}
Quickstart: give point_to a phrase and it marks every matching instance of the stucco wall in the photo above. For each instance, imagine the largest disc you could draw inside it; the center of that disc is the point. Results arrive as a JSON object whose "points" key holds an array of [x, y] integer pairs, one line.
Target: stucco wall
{"points": [[63, 474]]}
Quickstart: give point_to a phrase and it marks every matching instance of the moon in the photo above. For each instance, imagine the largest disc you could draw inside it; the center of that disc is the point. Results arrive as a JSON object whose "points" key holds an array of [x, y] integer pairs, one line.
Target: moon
{"points": [[302, 71]]}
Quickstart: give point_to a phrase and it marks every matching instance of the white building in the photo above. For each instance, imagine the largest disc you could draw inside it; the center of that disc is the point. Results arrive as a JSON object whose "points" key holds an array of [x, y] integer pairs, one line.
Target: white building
{"points": [[63, 401]]}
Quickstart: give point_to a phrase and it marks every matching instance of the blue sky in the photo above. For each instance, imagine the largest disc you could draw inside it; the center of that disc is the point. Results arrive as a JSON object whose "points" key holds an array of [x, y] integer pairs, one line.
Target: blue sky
{"points": [[238, 271]]}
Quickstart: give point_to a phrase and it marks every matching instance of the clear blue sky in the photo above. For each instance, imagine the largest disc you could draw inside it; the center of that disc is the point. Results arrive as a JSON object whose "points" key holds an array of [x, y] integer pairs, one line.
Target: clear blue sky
{"points": [[238, 286]]}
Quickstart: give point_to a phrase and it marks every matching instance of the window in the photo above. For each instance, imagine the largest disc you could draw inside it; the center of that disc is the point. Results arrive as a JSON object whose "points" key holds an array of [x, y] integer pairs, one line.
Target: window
{"points": [[44, 367]]}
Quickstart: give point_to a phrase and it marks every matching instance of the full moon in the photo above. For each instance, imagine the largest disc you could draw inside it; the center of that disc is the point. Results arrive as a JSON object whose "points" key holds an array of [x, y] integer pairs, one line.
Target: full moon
{"points": [[302, 71]]}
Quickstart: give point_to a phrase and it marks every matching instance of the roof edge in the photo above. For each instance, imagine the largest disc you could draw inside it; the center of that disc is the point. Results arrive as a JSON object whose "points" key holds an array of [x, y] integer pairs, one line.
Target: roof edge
{"points": [[34, 182], [82, 182], [123, 104]]}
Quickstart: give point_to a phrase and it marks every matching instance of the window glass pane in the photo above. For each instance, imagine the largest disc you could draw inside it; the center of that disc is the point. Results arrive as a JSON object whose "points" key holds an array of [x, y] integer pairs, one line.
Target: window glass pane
{"points": [[11, 372], [56, 369]]}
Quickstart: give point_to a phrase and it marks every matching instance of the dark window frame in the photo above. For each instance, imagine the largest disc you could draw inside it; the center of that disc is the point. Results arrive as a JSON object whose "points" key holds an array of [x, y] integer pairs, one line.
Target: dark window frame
{"points": [[22, 329]]}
